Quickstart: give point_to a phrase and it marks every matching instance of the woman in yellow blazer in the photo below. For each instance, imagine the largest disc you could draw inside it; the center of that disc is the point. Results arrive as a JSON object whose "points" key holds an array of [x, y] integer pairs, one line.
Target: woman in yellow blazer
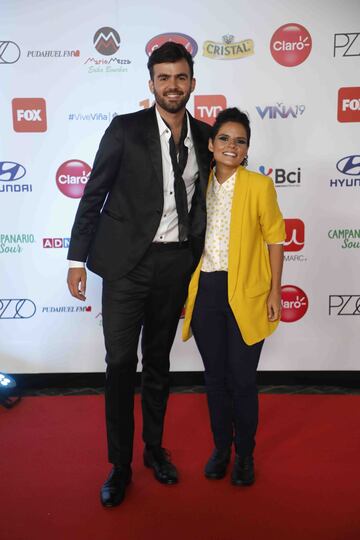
{"points": [[234, 299]]}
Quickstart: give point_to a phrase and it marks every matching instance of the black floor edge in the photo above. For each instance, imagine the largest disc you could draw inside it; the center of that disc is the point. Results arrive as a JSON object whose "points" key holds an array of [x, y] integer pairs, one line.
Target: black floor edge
{"points": [[347, 379]]}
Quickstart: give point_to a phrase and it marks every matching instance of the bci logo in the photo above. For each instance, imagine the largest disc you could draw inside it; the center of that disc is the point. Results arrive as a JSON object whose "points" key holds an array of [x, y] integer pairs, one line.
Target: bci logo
{"points": [[283, 178]]}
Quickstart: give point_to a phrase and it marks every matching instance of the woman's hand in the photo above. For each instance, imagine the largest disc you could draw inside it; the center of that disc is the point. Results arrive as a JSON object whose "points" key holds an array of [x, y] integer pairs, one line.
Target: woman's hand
{"points": [[274, 305]]}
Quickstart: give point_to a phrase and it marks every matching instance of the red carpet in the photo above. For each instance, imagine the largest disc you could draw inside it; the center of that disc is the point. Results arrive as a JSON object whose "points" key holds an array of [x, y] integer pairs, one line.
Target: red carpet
{"points": [[52, 463]]}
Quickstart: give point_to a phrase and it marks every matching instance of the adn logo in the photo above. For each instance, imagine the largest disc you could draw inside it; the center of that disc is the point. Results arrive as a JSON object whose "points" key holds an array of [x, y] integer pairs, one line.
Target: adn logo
{"points": [[349, 104], [71, 178], [29, 114], [57, 243], [280, 111], [206, 108], [290, 45], [295, 235], [107, 41], [294, 303], [16, 308], [156, 42]]}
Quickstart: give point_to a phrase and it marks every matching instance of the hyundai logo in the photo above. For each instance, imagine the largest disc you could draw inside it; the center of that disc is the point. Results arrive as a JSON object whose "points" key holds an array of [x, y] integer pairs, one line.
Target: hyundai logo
{"points": [[16, 308], [349, 165], [10, 171]]}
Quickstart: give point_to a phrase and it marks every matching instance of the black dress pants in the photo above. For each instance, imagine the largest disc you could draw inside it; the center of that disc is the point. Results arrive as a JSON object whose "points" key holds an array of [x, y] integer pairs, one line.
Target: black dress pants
{"points": [[151, 298], [230, 366]]}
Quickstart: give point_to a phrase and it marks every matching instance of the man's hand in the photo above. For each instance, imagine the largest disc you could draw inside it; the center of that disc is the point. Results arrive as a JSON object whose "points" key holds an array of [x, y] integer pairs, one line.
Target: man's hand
{"points": [[76, 281], [274, 305]]}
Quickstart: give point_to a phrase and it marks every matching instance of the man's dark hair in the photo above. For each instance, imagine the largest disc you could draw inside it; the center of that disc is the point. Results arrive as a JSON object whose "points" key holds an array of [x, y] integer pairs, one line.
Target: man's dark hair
{"points": [[232, 114], [170, 52]]}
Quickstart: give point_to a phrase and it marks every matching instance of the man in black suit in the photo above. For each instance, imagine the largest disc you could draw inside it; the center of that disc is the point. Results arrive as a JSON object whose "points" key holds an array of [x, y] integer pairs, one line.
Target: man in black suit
{"points": [[140, 225]]}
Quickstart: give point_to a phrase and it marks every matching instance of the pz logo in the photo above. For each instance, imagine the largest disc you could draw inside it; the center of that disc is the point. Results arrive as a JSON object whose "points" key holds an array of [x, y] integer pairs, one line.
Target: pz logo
{"points": [[29, 114]]}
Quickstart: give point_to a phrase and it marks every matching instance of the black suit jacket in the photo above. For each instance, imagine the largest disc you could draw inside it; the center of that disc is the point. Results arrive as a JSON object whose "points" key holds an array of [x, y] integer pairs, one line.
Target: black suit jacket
{"points": [[122, 205]]}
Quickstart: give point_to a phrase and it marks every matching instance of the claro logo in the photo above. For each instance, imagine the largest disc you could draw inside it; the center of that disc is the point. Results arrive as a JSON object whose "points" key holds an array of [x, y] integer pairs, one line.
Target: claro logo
{"points": [[16, 308], [294, 303], [71, 178], [290, 45]]}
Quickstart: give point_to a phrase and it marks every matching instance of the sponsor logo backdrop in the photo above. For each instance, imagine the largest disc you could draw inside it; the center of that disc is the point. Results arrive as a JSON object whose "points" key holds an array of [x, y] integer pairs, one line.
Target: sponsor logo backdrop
{"points": [[294, 68]]}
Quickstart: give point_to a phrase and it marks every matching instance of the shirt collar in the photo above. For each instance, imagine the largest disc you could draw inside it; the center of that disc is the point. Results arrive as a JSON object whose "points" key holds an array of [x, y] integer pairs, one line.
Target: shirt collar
{"points": [[165, 131], [228, 185]]}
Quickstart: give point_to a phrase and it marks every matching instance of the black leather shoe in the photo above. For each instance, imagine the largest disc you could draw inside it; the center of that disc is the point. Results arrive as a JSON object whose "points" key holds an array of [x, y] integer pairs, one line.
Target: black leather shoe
{"points": [[217, 464], [158, 459], [243, 472], [113, 491]]}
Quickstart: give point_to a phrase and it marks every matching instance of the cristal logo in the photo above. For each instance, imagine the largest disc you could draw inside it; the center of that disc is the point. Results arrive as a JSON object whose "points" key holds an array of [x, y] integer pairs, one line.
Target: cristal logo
{"points": [[206, 108], [295, 235], [294, 303], [188, 42], [349, 165], [290, 45], [107, 41], [71, 178]]}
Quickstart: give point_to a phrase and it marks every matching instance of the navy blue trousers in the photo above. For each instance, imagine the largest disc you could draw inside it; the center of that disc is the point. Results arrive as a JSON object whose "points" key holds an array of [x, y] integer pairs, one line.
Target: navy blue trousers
{"points": [[230, 366]]}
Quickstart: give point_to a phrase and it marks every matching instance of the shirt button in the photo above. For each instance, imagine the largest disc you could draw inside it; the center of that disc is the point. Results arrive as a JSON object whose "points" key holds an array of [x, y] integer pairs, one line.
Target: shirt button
{"points": [[161, 237], [171, 192], [164, 215]]}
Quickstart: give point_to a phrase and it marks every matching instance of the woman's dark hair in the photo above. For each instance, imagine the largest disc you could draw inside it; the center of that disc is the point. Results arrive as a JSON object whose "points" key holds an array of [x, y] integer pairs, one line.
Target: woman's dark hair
{"points": [[232, 114], [169, 52]]}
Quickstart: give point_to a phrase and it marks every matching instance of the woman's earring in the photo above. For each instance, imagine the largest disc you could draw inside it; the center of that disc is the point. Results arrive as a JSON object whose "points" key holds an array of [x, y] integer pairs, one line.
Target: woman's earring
{"points": [[245, 161], [212, 163]]}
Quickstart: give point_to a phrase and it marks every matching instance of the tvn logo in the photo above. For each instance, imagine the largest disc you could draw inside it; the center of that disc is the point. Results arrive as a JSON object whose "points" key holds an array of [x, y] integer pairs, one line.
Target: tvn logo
{"points": [[50, 243], [29, 115], [206, 108]]}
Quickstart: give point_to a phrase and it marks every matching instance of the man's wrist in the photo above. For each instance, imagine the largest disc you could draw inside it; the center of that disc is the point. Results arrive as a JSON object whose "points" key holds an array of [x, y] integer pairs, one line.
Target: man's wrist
{"points": [[76, 264]]}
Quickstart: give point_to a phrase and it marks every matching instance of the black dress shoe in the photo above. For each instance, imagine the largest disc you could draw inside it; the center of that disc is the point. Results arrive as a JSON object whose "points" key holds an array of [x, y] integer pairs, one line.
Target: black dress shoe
{"points": [[113, 491], [243, 472], [158, 459], [217, 464]]}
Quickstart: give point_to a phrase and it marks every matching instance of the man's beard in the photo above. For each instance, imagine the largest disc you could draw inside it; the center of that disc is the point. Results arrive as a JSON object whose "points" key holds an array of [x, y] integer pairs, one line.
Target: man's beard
{"points": [[172, 107]]}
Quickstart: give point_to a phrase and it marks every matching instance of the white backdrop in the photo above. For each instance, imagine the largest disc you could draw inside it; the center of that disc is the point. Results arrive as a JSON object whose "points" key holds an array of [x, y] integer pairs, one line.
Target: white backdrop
{"points": [[48, 60]]}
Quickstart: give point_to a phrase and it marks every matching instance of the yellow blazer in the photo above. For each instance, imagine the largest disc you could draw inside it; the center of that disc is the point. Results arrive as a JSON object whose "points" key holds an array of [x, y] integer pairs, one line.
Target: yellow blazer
{"points": [[256, 221]]}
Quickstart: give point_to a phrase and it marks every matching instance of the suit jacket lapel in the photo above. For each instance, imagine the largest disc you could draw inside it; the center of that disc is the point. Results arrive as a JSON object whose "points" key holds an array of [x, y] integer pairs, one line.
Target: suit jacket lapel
{"points": [[151, 131], [201, 151], [236, 224]]}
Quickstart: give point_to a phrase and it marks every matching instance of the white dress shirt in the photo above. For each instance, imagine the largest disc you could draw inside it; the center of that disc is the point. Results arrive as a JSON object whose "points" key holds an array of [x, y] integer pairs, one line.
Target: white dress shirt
{"points": [[168, 228], [218, 206]]}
